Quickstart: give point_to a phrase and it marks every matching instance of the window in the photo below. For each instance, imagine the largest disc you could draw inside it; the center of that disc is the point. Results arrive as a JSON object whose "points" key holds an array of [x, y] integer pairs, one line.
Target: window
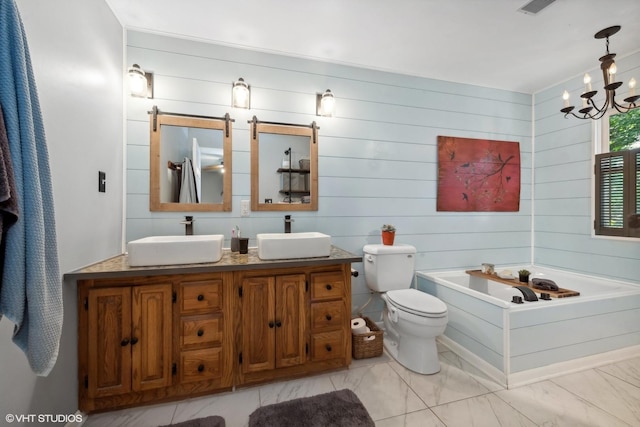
{"points": [[617, 170]]}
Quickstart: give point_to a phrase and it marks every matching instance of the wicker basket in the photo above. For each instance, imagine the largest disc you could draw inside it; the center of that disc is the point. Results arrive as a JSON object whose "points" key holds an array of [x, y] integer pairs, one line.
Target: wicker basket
{"points": [[362, 348]]}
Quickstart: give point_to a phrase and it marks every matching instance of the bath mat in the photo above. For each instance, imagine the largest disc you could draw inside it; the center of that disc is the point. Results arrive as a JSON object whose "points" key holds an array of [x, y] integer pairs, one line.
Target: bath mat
{"points": [[213, 421], [338, 408]]}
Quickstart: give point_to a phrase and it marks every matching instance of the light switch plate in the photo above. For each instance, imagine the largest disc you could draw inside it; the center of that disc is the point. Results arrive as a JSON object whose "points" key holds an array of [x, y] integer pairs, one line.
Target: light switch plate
{"points": [[244, 208], [102, 182]]}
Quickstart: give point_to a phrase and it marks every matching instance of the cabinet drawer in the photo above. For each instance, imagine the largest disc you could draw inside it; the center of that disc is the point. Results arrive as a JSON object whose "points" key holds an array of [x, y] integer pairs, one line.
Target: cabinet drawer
{"points": [[201, 296], [201, 331], [327, 285], [327, 345], [200, 365], [327, 315]]}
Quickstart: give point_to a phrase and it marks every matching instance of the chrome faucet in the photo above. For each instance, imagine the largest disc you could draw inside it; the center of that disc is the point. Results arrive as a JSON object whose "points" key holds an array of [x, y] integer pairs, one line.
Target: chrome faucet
{"points": [[287, 223], [188, 225]]}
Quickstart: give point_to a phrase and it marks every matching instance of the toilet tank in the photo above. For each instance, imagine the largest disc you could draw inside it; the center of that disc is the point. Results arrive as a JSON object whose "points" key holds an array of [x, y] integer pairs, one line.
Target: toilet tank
{"points": [[389, 267]]}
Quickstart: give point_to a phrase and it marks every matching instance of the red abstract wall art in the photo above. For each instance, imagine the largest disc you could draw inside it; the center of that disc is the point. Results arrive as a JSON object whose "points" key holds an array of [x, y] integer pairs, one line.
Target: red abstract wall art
{"points": [[478, 175]]}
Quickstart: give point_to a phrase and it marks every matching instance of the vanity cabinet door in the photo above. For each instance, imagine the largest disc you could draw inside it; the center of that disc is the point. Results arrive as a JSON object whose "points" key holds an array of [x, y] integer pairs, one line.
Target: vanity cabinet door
{"points": [[273, 322], [290, 320], [109, 353], [129, 339], [258, 324], [152, 327]]}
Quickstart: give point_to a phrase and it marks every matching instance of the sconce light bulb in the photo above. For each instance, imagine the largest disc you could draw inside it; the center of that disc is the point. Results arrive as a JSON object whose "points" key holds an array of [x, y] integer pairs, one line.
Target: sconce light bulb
{"points": [[632, 87], [327, 103], [137, 81], [240, 94]]}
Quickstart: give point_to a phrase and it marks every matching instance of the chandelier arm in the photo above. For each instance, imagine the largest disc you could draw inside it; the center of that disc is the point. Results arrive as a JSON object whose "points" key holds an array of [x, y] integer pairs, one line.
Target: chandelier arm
{"points": [[624, 108]]}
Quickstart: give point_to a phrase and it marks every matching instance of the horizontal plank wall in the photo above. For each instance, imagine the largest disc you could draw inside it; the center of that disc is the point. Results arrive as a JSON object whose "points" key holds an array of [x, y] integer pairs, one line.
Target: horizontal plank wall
{"points": [[563, 169], [377, 155]]}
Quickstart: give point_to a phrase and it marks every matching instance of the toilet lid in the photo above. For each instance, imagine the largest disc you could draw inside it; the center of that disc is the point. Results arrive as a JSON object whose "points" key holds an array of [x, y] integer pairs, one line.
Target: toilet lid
{"points": [[417, 302]]}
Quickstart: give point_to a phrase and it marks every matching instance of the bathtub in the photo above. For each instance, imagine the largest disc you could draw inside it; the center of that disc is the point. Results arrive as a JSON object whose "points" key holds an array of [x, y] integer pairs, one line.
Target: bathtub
{"points": [[516, 344]]}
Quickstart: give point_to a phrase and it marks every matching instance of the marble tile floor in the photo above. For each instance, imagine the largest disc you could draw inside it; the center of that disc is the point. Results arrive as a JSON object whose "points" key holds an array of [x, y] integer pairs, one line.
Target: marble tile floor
{"points": [[458, 395]]}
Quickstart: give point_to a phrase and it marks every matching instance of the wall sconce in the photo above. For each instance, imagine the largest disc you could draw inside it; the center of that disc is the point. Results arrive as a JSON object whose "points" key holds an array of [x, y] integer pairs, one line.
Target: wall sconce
{"points": [[325, 104], [140, 83], [241, 94]]}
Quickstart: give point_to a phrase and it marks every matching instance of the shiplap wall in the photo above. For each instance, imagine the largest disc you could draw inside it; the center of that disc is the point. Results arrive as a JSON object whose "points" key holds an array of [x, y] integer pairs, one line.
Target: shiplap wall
{"points": [[377, 155], [563, 169]]}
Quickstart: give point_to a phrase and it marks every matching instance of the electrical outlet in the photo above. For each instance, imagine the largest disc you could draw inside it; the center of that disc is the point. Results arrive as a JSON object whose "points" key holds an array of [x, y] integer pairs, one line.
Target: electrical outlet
{"points": [[244, 208]]}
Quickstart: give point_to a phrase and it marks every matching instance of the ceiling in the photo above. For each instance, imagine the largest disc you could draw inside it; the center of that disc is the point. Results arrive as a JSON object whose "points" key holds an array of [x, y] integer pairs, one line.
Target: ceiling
{"points": [[481, 42]]}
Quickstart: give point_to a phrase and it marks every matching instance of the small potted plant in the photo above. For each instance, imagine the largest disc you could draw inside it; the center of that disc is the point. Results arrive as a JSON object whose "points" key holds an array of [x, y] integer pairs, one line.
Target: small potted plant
{"points": [[388, 234], [524, 275]]}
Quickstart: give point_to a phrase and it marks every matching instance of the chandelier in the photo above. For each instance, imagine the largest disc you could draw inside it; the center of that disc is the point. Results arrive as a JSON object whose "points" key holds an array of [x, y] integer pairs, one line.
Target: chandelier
{"points": [[589, 109]]}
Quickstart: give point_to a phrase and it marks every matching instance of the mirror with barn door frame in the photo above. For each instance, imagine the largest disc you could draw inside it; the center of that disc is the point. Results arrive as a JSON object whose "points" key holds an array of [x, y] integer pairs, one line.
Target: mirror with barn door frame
{"points": [[190, 163], [284, 166]]}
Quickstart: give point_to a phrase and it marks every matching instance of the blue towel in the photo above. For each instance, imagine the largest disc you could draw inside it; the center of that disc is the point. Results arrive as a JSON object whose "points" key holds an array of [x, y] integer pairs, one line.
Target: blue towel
{"points": [[31, 287]]}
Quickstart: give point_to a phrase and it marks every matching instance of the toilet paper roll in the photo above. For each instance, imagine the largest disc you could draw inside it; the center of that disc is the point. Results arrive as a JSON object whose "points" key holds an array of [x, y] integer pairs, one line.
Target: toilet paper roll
{"points": [[371, 338], [358, 326]]}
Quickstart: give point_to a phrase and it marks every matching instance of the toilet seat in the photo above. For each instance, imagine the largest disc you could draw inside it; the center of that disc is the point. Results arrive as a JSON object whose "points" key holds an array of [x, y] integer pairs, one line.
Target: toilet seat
{"points": [[416, 302]]}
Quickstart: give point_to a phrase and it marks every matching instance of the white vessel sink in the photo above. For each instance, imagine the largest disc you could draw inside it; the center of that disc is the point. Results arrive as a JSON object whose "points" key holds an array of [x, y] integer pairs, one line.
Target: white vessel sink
{"points": [[169, 250], [293, 245]]}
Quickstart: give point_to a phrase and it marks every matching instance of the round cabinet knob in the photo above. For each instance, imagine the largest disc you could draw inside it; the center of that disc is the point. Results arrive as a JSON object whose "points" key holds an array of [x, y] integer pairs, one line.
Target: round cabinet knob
{"points": [[200, 368], [134, 340], [200, 297], [328, 286], [328, 316], [328, 347], [124, 342], [271, 324], [278, 323], [200, 332]]}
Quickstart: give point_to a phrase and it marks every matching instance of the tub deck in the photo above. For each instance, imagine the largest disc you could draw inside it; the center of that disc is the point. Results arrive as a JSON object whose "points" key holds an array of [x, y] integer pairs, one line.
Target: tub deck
{"points": [[560, 293]]}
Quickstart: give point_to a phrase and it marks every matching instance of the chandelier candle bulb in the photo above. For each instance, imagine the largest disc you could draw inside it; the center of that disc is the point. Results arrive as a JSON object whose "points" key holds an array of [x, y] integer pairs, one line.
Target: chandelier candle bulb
{"points": [[613, 69], [587, 83], [632, 87], [565, 98]]}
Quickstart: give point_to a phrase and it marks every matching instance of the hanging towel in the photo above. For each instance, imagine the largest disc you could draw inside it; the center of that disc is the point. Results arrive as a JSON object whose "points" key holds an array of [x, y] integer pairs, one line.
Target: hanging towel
{"points": [[8, 195], [31, 287], [188, 189]]}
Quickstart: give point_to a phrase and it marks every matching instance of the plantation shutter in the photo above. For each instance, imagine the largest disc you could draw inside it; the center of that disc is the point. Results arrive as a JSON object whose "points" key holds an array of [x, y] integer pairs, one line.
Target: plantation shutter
{"points": [[617, 193], [634, 223]]}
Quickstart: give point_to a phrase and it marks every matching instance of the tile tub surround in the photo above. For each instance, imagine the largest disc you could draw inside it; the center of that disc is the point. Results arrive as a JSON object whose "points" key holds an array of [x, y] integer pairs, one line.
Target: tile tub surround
{"points": [[520, 343], [458, 396]]}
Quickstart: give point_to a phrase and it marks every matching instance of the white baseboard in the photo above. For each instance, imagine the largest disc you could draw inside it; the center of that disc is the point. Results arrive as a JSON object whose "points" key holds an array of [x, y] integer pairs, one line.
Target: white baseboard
{"points": [[518, 379], [529, 376]]}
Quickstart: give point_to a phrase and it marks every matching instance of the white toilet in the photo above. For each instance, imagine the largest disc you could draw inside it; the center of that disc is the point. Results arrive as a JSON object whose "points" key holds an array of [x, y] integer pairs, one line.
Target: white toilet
{"points": [[412, 319]]}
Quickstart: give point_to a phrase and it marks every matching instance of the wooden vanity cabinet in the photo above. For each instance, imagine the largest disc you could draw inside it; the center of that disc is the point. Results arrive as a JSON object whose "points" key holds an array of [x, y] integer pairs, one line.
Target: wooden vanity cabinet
{"points": [[155, 338], [288, 328]]}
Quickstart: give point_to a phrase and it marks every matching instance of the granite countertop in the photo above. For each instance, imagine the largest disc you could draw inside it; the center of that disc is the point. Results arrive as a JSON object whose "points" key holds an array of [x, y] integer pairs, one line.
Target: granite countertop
{"points": [[118, 266]]}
